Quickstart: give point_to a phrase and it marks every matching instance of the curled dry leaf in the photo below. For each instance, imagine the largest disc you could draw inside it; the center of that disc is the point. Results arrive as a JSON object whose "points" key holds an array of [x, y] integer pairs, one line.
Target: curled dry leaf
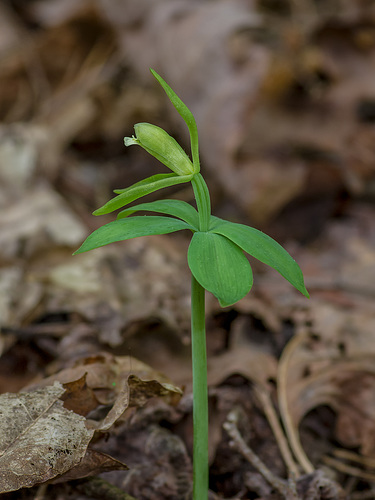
{"points": [[105, 374], [142, 390], [45, 434], [104, 379], [136, 392], [333, 367], [94, 462], [78, 397], [39, 438]]}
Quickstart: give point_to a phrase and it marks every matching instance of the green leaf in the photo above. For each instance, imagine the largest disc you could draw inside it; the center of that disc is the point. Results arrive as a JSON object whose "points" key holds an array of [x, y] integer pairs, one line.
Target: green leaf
{"points": [[142, 188], [263, 248], [220, 267], [176, 208], [126, 229]]}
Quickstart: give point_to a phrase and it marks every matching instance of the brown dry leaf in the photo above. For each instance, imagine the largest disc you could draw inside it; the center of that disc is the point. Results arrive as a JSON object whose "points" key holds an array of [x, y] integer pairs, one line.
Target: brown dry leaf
{"points": [[143, 390], [105, 373], [37, 221], [333, 367], [116, 286], [40, 439], [122, 381], [93, 463], [78, 397], [249, 361], [136, 392], [245, 356]]}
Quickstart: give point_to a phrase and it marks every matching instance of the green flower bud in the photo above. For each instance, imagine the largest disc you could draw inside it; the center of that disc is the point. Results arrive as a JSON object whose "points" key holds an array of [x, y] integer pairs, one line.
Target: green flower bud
{"points": [[162, 146]]}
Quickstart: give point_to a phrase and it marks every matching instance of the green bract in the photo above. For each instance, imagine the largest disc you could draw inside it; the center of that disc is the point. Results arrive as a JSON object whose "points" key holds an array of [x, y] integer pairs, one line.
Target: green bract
{"points": [[139, 189], [162, 146], [216, 254]]}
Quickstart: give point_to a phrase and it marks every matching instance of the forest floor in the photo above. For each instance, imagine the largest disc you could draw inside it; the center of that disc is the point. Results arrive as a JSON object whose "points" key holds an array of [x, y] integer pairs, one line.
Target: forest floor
{"points": [[95, 364]]}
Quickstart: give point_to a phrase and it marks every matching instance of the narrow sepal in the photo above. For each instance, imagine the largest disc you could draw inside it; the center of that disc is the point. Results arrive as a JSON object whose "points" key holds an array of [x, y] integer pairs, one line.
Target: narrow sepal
{"points": [[142, 188], [187, 116]]}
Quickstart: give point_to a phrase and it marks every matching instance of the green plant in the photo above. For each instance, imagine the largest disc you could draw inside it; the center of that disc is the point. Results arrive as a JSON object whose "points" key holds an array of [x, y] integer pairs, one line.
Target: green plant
{"points": [[215, 256]]}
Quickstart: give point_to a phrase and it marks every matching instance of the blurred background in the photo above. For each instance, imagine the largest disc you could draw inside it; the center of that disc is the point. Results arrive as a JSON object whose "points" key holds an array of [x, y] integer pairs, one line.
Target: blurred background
{"points": [[283, 92]]}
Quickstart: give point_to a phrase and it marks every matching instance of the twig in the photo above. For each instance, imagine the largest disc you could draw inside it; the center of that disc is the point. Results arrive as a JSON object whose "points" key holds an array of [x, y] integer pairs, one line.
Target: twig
{"points": [[363, 495], [348, 469], [237, 441], [282, 384], [277, 430], [368, 462]]}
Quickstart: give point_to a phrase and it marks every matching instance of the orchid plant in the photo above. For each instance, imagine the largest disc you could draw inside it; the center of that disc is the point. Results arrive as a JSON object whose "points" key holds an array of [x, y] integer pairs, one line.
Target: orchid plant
{"points": [[216, 254]]}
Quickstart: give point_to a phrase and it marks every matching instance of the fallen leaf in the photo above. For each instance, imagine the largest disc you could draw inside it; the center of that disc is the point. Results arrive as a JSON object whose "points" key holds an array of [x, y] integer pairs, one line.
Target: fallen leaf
{"points": [[104, 379], [333, 367], [93, 463], [78, 397], [37, 221], [40, 439]]}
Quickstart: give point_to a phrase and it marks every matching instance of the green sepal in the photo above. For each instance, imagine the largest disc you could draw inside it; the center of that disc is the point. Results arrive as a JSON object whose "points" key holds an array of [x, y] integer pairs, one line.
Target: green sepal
{"points": [[176, 208], [220, 267], [187, 116], [142, 188], [143, 182], [263, 248], [133, 227]]}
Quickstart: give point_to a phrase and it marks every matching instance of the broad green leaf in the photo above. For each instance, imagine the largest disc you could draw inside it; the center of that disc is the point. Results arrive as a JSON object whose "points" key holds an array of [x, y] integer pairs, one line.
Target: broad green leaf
{"points": [[263, 248], [220, 267], [133, 227], [176, 208], [140, 189]]}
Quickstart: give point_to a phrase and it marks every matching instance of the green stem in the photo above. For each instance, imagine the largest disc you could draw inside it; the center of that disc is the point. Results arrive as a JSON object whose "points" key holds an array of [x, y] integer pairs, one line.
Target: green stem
{"points": [[199, 356], [202, 197], [200, 393]]}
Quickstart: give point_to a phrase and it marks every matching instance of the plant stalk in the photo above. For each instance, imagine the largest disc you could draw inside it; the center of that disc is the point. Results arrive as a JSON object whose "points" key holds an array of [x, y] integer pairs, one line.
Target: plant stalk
{"points": [[200, 392], [202, 198]]}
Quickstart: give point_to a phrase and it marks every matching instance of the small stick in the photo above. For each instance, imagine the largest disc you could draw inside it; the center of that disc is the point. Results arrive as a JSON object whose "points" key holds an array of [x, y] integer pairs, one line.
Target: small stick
{"points": [[348, 469], [237, 441], [273, 420], [362, 495]]}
